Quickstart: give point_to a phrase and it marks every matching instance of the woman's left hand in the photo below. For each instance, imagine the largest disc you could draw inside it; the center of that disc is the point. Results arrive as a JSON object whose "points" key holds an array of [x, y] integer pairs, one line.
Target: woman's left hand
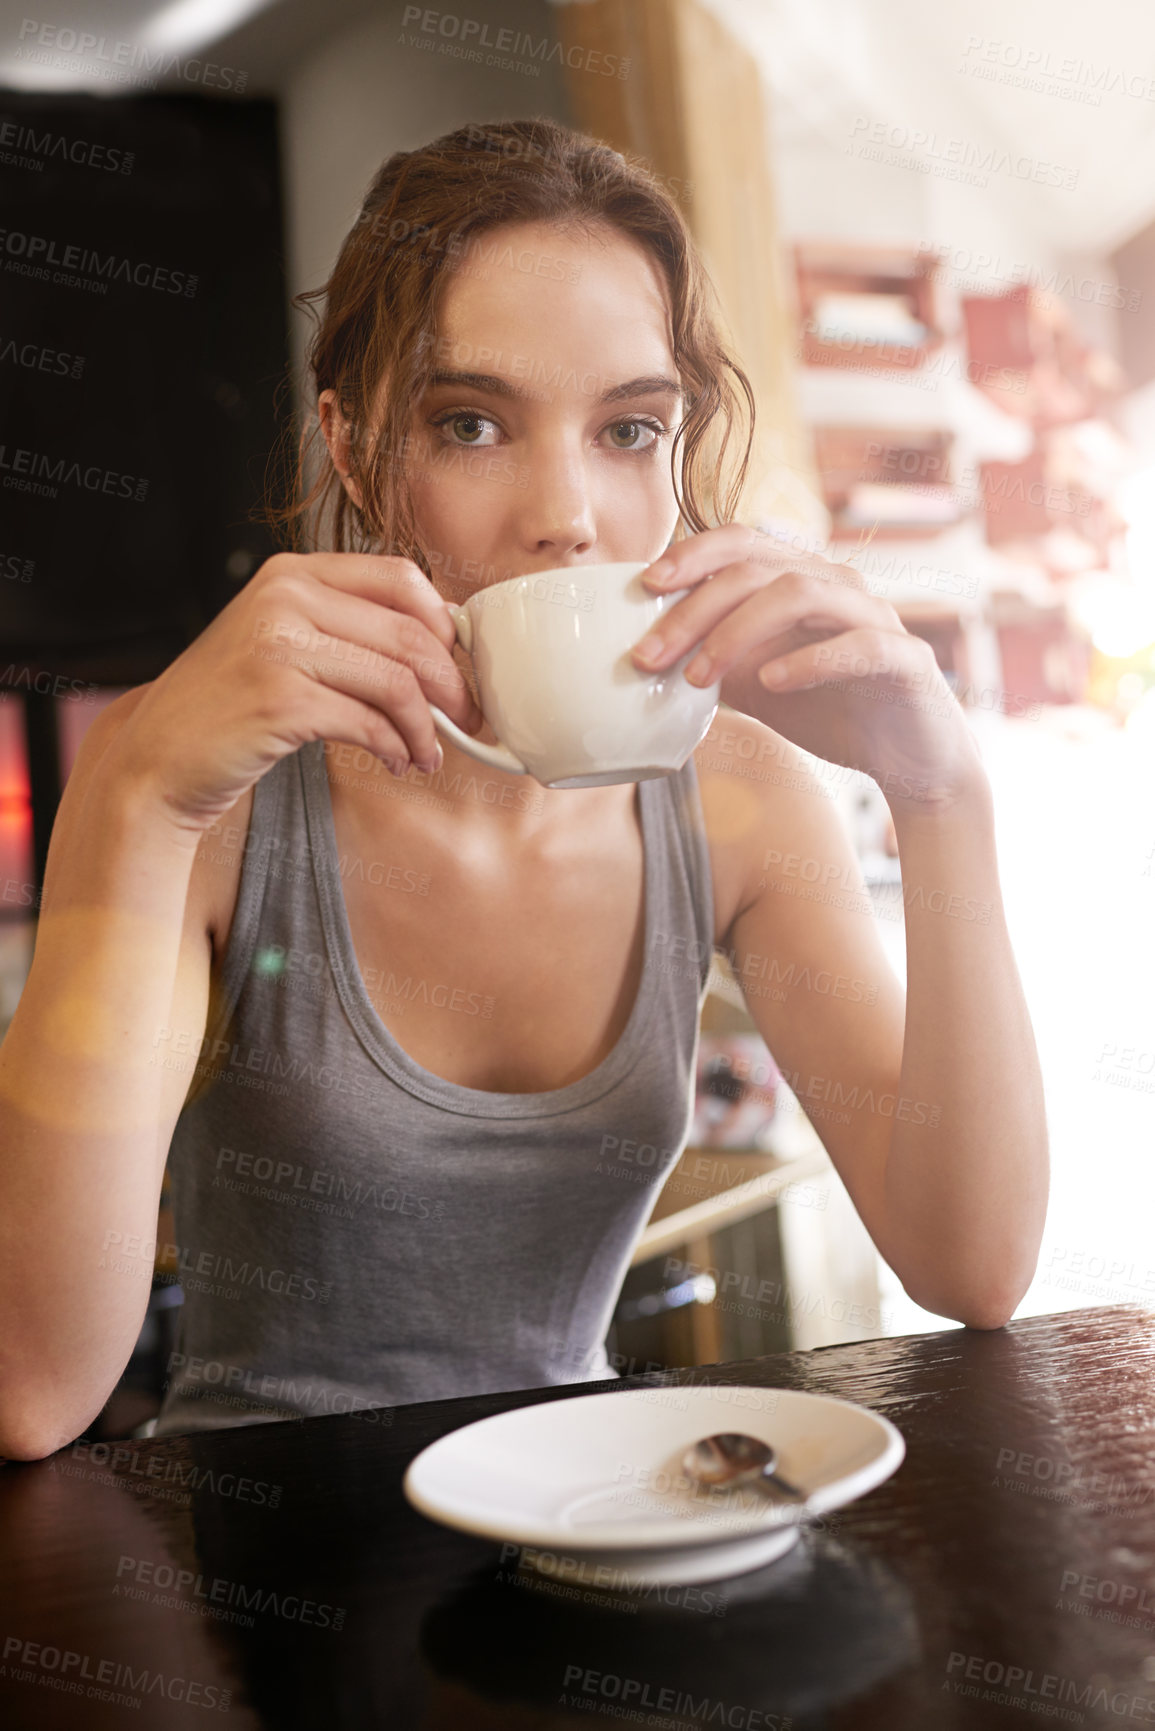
{"points": [[801, 645]]}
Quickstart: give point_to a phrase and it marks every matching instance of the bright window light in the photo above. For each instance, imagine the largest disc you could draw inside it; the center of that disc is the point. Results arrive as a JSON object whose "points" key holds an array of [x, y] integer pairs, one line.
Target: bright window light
{"points": [[188, 25], [1119, 616], [66, 57]]}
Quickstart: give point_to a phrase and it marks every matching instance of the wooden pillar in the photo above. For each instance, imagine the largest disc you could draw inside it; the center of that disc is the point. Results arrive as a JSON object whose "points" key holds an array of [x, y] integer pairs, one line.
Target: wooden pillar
{"points": [[693, 104]]}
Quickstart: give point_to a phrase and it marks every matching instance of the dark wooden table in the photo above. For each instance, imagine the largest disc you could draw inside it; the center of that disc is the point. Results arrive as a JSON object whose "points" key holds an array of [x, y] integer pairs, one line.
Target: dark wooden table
{"points": [[275, 1576]]}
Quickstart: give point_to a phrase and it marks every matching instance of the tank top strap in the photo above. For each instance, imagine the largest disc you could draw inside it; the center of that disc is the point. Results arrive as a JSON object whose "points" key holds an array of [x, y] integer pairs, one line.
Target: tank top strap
{"points": [[683, 801], [277, 832]]}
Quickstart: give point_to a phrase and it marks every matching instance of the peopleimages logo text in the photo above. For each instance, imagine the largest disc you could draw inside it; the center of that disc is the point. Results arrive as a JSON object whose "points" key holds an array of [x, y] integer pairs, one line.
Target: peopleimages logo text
{"points": [[474, 33], [17, 465], [83, 152], [68, 1669], [82, 261]]}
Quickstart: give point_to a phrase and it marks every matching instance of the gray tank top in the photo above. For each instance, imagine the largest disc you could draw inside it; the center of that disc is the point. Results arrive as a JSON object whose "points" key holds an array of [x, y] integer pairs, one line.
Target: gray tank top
{"points": [[353, 1232]]}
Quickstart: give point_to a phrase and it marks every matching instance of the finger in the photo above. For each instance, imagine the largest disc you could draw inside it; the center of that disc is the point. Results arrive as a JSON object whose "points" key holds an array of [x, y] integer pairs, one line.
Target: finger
{"points": [[392, 688], [389, 684], [703, 555], [355, 722], [700, 555], [389, 581], [726, 618], [340, 629], [407, 639], [860, 655], [681, 625]]}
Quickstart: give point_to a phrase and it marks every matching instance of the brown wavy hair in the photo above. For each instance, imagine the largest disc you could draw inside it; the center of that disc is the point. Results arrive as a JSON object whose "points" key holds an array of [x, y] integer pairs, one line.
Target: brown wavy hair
{"points": [[377, 320]]}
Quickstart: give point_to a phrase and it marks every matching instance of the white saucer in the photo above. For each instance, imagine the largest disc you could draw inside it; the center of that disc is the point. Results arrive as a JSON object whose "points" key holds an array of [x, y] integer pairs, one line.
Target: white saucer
{"points": [[672, 1566], [594, 1482]]}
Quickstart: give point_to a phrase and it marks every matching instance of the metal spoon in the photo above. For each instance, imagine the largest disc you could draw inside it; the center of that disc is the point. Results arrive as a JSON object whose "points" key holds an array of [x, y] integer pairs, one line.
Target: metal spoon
{"points": [[732, 1458]]}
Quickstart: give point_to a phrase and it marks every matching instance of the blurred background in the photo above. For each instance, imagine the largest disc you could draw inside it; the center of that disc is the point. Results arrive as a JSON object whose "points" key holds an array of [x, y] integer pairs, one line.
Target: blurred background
{"points": [[932, 232]]}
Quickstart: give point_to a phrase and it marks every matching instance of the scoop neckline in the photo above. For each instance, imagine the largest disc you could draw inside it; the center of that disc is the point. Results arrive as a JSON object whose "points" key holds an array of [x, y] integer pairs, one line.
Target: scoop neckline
{"points": [[383, 1047]]}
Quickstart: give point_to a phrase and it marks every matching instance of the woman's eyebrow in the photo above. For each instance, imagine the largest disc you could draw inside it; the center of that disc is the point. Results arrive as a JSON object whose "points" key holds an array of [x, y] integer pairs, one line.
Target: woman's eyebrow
{"points": [[650, 385]]}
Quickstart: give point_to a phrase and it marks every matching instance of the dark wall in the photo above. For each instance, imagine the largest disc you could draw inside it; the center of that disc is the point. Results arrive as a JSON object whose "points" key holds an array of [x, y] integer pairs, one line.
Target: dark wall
{"points": [[143, 349]]}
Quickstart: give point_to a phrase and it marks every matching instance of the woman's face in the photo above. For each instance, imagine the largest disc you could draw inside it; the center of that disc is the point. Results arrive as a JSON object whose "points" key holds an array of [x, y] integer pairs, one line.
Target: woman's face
{"points": [[544, 437]]}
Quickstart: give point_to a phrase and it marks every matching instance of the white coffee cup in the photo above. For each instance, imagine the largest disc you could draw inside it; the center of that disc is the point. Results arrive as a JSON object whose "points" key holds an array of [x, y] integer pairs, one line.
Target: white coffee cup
{"points": [[555, 681]]}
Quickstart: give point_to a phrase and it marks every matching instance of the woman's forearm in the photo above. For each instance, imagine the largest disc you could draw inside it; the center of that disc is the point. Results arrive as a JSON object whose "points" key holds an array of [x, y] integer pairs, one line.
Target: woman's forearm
{"points": [[86, 1107], [966, 1189]]}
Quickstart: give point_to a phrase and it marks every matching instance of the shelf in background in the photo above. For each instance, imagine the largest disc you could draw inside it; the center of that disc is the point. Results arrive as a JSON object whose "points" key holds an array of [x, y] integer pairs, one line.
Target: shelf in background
{"points": [[893, 479], [1032, 361], [875, 302]]}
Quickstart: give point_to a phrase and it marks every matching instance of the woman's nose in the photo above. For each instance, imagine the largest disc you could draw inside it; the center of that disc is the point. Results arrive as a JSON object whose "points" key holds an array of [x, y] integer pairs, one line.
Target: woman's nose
{"points": [[557, 513]]}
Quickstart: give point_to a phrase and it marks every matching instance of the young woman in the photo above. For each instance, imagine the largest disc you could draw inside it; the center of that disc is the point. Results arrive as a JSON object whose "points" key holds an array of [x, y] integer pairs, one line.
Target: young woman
{"points": [[432, 1008]]}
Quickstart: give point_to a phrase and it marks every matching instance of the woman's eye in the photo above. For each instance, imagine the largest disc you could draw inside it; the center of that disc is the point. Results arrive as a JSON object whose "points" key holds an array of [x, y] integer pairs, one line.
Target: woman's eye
{"points": [[467, 428], [633, 435]]}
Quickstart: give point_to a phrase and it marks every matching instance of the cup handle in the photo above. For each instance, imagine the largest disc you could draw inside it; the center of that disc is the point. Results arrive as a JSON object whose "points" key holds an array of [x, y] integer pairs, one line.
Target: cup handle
{"points": [[496, 756]]}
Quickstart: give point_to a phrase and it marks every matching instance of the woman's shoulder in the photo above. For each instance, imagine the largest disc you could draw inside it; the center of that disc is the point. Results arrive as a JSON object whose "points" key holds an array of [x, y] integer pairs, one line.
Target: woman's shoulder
{"points": [[757, 792], [738, 749]]}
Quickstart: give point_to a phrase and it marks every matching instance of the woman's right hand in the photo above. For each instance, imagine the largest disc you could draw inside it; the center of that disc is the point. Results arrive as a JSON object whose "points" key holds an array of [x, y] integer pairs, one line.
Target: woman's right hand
{"points": [[343, 646]]}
